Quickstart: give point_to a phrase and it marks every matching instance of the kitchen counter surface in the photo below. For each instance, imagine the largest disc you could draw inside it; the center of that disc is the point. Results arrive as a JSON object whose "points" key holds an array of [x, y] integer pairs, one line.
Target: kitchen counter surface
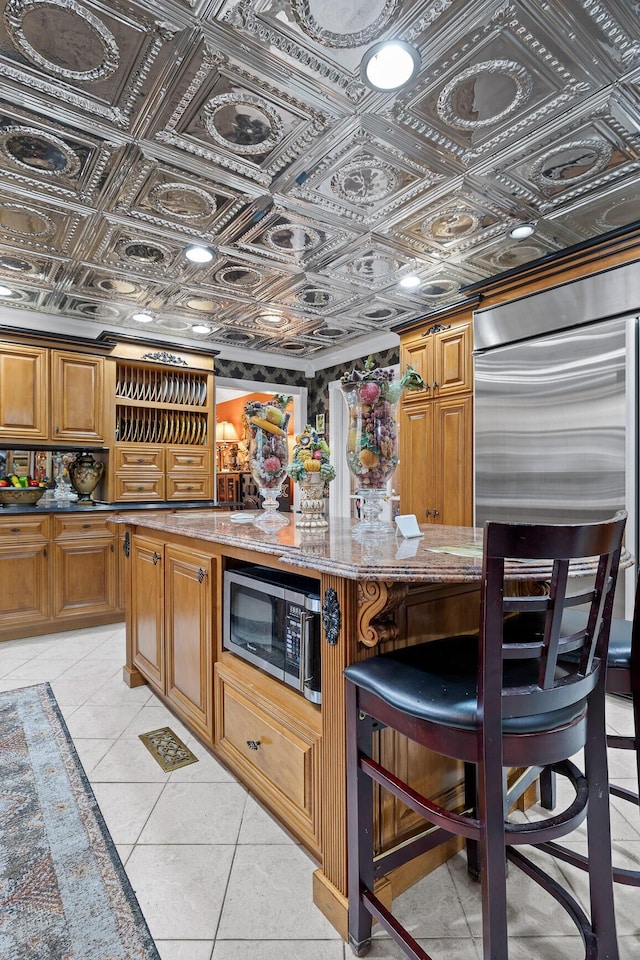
{"points": [[72, 506], [441, 555]]}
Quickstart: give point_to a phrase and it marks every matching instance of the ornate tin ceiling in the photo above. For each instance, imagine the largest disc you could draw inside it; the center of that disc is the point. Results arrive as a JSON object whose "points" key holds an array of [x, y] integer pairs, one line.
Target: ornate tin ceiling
{"points": [[129, 130]]}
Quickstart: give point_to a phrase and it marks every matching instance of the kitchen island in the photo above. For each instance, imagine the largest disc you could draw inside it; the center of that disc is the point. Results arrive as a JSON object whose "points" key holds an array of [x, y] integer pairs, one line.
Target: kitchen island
{"points": [[289, 752]]}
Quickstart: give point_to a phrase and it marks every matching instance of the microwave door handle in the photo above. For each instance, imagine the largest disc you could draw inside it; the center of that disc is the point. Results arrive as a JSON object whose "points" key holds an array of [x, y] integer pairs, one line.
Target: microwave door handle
{"points": [[305, 653]]}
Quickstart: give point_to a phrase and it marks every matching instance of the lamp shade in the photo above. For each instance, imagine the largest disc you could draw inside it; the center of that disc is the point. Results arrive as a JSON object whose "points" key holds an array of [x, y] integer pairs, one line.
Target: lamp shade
{"points": [[226, 432]]}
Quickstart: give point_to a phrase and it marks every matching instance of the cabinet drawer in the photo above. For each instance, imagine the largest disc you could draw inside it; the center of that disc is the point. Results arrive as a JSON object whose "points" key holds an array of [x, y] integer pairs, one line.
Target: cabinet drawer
{"points": [[139, 458], [78, 526], [31, 528], [188, 461], [139, 488], [189, 488], [271, 737]]}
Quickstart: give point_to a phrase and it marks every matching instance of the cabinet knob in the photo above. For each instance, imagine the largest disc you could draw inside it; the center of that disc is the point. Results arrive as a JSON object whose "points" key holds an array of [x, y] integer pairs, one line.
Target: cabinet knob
{"points": [[253, 744], [14, 530], [202, 575], [436, 513], [86, 526], [45, 553], [435, 385], [155, 558], [427, 513]]}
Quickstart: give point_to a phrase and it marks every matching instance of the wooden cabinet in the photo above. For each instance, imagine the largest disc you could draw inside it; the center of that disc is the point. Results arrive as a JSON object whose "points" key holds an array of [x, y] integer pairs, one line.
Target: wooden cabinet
{"points": [[25, 598], [24, 392], [436, 477], [51, 395], [436, 427], [442, 356], [162, 429], [270, 737], [77, 398], [171, 625], [84, 566], [228, 487]]}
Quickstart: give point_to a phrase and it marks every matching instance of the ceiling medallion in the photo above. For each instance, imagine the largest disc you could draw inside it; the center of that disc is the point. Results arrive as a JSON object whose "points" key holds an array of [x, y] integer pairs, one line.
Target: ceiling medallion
{"points": [[237, 337], [100, 311], [25, 221], [366, 180], [123, 288], [380, 314], [243, 123], [182, 201], [171, 323], [356, 27], [485, 94], [571, 162], [17, 264], [373, 266], [515, 256], [32, 149], [453, 223], [331, 333], [97, 40], [202, 305], [139, 252], [292, 347], [440, 288], [291, 238], [315, 297], [238, 276], [619, 214]]}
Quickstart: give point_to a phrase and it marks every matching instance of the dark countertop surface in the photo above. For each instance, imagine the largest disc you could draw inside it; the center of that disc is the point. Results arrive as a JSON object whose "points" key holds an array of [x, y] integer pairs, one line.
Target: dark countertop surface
{"points": [[72, 506]]}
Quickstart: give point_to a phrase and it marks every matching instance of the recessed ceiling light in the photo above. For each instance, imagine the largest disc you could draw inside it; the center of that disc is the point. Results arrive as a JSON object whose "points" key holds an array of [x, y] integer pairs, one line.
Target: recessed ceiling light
{"points": [[389, 65], [198, 254], [410, 282], [521, 231], [143, 317], [271, 318], [201, 328], [5, 291]]}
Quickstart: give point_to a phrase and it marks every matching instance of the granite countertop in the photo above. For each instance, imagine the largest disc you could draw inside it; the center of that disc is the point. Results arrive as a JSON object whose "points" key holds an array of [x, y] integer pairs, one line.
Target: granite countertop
{"points": [[441, 555]]}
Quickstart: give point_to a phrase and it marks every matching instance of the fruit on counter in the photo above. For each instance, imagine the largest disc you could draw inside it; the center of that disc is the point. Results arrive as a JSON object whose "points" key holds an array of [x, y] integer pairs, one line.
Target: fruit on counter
{"points": [[4, 483], [13, 480], [33, 483]]}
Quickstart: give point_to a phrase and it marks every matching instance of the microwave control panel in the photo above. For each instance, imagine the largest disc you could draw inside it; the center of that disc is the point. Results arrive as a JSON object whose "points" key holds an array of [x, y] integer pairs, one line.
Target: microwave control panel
{"points": [[293, 635]]}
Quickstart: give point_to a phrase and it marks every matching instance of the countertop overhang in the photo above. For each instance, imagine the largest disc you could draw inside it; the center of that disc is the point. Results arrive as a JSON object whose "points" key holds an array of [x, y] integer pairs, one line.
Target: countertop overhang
{"points": [[442, 554]]}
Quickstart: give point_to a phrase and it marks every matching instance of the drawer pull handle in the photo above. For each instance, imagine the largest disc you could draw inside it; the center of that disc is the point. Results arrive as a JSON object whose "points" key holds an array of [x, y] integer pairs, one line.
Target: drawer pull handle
{"points": [[15, 530], [155, 558], [202, 575], [253, 744], [86, 526]]}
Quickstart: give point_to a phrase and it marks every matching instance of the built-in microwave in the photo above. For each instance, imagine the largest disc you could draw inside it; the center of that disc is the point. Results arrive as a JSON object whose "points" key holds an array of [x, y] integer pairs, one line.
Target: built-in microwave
{"points": [[272, 619]]}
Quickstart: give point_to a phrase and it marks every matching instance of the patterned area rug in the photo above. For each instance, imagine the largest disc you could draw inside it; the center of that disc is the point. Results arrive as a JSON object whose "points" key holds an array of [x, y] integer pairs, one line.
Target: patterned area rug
{"points": [[64, 894]]}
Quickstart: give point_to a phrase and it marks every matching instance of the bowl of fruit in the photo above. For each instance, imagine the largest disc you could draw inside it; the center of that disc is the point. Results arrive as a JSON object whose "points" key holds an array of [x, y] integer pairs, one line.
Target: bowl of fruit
{"points": [[20, 491]]}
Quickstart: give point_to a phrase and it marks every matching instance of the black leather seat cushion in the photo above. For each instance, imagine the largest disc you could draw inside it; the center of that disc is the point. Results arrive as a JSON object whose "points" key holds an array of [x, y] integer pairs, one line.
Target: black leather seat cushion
{"points": [[436, 681]]}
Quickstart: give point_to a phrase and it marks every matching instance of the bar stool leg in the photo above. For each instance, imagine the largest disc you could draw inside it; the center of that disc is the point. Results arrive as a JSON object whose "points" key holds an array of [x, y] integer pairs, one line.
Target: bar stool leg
{"points": [[360, 818], [493, 867]]}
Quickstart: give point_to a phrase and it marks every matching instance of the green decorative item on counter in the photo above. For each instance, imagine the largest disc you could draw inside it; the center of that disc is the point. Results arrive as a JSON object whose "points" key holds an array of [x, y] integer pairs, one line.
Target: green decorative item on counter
{"points": [[372, 395], [268, 452], [311, 468]]}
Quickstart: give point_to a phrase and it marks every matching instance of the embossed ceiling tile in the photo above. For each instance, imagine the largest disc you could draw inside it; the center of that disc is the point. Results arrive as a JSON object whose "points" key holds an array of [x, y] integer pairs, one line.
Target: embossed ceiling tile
{"points": [[606, 30], [90, 309], [116, 286], [16, 265], [500, 79], [379, 312], [312, 294], [35, 225], [138, 252], [363, 179], [81, 55], [505, 254], [370, 264], [589, 217], [162, 194], [26, 297], [591, 151], [292, 238], [222, 112]]}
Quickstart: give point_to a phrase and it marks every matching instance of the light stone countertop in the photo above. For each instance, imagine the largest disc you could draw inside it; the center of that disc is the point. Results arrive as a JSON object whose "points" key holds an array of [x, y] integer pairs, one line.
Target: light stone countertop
{"points": [[336, 551]]}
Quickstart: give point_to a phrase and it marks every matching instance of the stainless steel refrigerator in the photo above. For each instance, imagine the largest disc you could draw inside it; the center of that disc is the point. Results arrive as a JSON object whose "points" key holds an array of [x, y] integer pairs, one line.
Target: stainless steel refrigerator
{"points": [[555, 426]]}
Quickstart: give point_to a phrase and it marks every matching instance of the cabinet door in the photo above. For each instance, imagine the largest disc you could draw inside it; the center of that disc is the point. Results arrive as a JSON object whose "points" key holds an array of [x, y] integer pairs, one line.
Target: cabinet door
{"points": [[77, 397], [147, 605], [24, 584], [24, 390], [452, 478], [85, 577], [452, 362], [418, 353], [189, 636], [416, 460]]}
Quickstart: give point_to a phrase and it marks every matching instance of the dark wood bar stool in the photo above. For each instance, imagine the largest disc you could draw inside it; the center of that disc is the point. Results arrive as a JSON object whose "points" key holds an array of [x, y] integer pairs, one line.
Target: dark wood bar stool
{"points": [[494, 706], [623, 679]]}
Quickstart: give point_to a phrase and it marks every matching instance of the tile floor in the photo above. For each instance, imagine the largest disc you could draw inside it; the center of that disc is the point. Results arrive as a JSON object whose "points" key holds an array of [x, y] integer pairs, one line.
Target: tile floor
{"points": [[218, 879]]}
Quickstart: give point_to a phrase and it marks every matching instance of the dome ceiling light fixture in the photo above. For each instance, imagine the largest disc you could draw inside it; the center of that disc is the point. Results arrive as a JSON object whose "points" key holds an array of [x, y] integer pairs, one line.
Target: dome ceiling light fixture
{"points": [[201, 328], [522, 231], [5, 291], [410, 282], [143, 317], [389, 65], [199, 254]]}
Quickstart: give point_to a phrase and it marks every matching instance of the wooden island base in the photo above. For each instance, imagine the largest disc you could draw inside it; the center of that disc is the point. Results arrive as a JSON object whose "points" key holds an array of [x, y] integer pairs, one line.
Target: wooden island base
{"points": [[174, 642]]}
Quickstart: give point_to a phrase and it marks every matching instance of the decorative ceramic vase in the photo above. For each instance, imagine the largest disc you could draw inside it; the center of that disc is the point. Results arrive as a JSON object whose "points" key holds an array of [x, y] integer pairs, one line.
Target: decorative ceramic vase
{"points": [[312, 503], [85, 474]]}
